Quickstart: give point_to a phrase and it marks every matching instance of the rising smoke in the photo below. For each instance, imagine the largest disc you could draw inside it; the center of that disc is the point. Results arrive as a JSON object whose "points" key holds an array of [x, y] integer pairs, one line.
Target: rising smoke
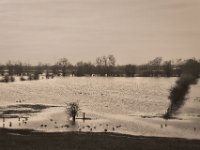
{"points": [[179, 92]]}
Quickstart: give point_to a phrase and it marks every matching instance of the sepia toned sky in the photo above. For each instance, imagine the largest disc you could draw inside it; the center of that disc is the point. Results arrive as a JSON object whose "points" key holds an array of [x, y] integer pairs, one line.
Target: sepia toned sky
{"points": [[135, 31]]}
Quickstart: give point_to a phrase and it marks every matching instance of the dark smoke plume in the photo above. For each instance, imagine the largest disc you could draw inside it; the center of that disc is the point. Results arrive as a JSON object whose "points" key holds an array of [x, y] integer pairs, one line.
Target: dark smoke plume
{"points": [[179, 92]]}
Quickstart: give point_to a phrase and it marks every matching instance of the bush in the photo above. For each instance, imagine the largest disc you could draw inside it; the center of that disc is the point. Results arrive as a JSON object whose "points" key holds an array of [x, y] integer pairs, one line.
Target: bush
{"points": [[12, 79], [30, 77], [36, 76], [22, 78], [6, 79]]}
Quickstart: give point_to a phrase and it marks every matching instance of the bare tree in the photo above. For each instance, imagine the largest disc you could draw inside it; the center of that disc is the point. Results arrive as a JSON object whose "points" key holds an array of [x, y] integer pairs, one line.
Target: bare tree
{"points": [[130, 70], [105, 65], [63, 64], [73, 109], [154, 66], [167, 66], [111, 60], [99, 61]]}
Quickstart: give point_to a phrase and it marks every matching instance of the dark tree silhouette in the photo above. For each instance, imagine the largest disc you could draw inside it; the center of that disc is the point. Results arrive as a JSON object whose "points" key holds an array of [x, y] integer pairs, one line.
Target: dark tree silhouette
{"points": [[63, 64], [73, 109], [130, 70], [177, 97], [167, 66]]}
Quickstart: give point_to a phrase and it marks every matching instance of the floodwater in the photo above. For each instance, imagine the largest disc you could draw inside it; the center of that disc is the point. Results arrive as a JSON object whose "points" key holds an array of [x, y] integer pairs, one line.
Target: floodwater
{"points": [[124, 105]]}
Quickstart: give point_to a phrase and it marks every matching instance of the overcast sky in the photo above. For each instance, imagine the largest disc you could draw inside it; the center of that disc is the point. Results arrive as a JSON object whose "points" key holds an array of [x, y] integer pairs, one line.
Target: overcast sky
{"points": [[135, 31]]}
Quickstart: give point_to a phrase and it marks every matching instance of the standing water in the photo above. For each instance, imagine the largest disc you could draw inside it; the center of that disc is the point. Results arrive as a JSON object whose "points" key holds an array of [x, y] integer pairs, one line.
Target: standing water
{"points": [[124, 105]]}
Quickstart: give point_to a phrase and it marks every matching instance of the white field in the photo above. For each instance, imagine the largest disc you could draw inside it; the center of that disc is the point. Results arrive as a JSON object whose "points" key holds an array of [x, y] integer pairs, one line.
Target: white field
{"points": [[110, 102]]}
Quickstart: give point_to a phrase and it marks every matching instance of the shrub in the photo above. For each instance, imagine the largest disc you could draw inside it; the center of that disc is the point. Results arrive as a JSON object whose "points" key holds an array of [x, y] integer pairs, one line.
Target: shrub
{"points": [[12, 79], [22, 78], [5, 79], [30, 77]]}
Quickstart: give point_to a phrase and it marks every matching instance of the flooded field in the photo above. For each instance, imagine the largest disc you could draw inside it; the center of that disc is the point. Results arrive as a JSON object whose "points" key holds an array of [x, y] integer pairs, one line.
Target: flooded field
{"points": [[124, 105]]}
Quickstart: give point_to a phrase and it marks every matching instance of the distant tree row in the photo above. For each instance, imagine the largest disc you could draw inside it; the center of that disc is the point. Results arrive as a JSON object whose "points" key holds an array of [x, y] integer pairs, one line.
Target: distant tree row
{"points": [[104, 66]]}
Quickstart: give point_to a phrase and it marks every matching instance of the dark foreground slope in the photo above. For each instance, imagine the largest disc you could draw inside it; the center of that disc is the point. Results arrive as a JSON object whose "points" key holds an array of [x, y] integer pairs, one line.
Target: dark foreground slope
{"points": [[29, 140]]}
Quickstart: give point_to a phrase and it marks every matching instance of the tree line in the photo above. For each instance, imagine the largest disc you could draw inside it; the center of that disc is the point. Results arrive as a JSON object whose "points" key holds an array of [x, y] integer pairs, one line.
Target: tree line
{"points": [[103, 66]]}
